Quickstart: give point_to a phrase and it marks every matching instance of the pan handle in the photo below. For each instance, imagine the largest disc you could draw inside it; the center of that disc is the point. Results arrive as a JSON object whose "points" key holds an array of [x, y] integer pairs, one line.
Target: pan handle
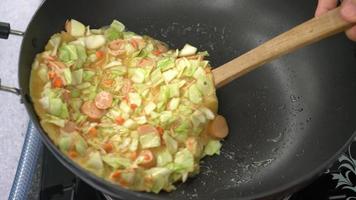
{"points": [[5, 31], [10, 89]]}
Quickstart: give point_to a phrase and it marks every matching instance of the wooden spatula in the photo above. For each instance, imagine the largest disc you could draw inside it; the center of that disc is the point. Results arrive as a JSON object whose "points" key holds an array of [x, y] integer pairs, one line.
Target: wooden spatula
{"points": [[306, 33]]}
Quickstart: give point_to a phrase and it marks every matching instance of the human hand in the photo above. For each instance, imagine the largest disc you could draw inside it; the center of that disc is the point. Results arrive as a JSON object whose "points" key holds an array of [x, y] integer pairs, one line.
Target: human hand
{"points": [[347, 11]]}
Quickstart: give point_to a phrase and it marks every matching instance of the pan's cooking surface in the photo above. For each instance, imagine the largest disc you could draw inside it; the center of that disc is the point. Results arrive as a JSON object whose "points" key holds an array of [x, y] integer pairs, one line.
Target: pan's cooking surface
{"points": [[286, 119]]}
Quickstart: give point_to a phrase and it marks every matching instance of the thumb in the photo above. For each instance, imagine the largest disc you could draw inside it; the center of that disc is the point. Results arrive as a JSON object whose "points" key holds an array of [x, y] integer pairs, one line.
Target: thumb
{"points": [[348, 10]]}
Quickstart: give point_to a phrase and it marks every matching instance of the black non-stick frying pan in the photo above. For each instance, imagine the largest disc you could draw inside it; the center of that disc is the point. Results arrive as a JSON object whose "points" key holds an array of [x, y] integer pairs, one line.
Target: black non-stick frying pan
{"points": [[289, 120]]}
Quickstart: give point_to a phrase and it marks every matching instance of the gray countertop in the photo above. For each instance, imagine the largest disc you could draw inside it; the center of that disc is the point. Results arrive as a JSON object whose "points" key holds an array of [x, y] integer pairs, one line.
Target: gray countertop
{"points": [[13, 116]]}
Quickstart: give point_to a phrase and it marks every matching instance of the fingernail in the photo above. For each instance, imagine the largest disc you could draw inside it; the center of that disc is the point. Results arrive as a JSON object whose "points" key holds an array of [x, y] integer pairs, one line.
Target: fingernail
{"points": [[348, 10]]}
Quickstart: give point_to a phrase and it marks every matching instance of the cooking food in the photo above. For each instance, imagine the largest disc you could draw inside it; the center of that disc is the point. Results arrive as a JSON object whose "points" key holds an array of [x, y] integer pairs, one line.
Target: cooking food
{"points": [[125, 107]]}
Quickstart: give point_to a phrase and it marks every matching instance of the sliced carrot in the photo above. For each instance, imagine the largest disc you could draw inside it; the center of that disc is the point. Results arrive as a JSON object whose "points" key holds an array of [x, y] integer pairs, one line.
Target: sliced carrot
{"points": [[51, 74], [116, 174], [119, 120], [108, 82], [57, 82], [134, 43], [108, 147], [160, 130], [92, 132], [133, 106], [73, 154], [99, 54], [156, 52]]}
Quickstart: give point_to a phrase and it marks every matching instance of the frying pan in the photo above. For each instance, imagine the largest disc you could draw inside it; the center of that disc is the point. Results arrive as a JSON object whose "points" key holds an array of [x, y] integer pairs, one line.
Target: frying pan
{"points": [[289, 120]]}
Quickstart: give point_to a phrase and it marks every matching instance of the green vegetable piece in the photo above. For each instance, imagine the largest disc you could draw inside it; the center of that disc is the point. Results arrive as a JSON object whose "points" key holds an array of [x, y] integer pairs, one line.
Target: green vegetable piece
{"points": [[95, 162], [194, 94], [43, 73], [213, 147], [205, 85], [181, 132], [150, 140], [65, 143], [185, 159], [67, 76], [116, 162], [165, 64], [114, 31], [80, 145], [77, 77], [76, 29], [160, 178], [88, 75], [54, 120], [163, 158], [170, 142], [68, 53]]}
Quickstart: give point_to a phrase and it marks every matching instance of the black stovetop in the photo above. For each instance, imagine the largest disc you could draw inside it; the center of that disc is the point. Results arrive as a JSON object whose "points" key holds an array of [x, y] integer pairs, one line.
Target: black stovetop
{"points": [[57, 183]]}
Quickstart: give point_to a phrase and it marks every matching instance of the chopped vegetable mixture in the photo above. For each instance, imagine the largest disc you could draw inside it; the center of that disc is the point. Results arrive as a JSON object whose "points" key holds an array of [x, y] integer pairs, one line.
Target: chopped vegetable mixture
{"points": [[125, 107]]}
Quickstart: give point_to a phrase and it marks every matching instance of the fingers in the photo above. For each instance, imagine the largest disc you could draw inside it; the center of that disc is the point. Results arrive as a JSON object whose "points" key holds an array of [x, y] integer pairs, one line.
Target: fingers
{"points": [[351, 33], [324, 6], [348, 12]]}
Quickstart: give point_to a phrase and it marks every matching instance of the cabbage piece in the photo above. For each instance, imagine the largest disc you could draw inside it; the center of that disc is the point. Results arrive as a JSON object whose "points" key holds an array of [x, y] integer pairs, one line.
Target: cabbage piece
{"points": [[95, 163], [205, 85], [170, 142], [82, 55], [114, 31], [213, 147], [156, 77], [87, 75], [208, 113], [76, 28], [169, 75], [77, 77], [187, 50], [173, 104], [137, 75], [94, 41], [184, 161], [67, 76], [54, 120], [135, 98], [80, 145], [134, 142], [67, 53], [181, 131], [43, 72], [58, 108], [169, 91], [149, 107], [199, 72], [194, 94], [163, 158], [190, 69], [165, 64], [166, 117], [54, 42], [65, 142], [160, 178], [150, 140], [116, 162]]}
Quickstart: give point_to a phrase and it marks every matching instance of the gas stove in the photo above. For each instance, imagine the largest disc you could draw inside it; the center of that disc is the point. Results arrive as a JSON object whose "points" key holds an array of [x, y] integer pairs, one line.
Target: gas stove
{"points": [[41, 176]]}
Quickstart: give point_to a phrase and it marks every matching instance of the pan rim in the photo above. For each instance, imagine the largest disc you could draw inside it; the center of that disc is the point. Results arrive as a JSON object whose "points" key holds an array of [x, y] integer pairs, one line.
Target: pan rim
{"points": [[116, 191]]}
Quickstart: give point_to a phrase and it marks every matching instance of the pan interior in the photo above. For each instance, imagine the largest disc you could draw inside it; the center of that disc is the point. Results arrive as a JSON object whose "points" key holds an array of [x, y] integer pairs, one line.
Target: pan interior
{"points": [[286, 119]]}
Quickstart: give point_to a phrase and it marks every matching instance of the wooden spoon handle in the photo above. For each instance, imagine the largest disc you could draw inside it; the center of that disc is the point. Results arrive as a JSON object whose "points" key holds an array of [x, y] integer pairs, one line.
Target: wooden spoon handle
{"points": [[309, 32]]}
